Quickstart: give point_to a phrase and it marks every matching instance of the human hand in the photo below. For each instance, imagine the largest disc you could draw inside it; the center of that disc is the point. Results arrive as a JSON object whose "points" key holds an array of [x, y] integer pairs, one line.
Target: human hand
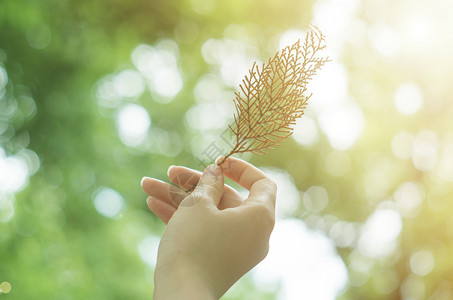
{"points": [[214, 236]]}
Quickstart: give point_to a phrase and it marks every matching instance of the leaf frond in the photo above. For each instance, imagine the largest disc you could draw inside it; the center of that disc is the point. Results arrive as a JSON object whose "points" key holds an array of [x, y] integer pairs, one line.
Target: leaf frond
{"points": [[272, 96]]}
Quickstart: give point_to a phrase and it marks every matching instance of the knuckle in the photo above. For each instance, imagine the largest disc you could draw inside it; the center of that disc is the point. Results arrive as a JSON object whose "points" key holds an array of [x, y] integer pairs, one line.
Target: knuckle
{"points": [[212, 185], [209, 181], [188, 201], [217, 188], [270, 185], [266, 215]]}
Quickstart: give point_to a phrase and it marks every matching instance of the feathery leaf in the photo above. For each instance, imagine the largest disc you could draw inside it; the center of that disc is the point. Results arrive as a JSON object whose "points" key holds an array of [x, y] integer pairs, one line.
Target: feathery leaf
{"points": [[271, 97]]}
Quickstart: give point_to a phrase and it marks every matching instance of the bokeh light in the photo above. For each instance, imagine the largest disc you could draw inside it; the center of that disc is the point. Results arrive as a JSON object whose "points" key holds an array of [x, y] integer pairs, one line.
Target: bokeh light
{"points": [[3, 80], [288, 197], [315, 198], [147, 250], [422, 263], [304, 263], [5, 287], [39, 36], [159, 65], [380, 232], [208, 116], [425, 154], [306, 131], [108, 202], [409, 196], [133, 123], [129, 84], [403, 145], [6, 208], [408, 99], [232, 58], [13, 173], [342, 124], [385, 39]]}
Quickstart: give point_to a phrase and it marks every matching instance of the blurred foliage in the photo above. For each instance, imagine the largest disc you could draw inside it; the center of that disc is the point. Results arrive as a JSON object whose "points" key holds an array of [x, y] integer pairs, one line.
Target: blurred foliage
{"points": [[56, 244]]}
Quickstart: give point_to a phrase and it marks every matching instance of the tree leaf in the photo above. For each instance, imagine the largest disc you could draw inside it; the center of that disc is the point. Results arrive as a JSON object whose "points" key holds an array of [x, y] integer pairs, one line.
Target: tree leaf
{"points": [[272, 97]]}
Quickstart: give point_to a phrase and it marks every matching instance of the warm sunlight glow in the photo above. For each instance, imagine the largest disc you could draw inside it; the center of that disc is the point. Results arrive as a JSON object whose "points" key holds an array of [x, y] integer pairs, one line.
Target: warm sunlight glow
{"points": [[303, 262], [380, 233], [342, 124], [408, 99], [385, 39]]}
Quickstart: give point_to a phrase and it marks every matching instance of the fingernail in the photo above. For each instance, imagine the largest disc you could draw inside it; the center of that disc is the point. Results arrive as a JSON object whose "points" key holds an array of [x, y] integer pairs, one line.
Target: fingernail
{"points": [[214, 170], [143, 179], [168, 171], [219, 159], [148, 200]]}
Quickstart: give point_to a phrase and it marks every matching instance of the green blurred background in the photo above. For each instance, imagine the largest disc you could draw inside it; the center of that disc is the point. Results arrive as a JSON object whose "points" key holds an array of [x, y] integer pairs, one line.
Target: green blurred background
{"points": [[96, 94]]}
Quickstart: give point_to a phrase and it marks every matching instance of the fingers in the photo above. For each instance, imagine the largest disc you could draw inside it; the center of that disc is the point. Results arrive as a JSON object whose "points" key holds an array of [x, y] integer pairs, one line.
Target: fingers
{"points": [[163, 210], [241, 171], [184, 177], [163, 191], [209, 188], [262, 189], [187, 178]]}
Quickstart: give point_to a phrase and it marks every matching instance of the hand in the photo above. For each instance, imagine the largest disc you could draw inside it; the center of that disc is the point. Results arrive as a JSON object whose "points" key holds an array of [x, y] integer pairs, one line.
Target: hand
{"points": [[214, 236]]}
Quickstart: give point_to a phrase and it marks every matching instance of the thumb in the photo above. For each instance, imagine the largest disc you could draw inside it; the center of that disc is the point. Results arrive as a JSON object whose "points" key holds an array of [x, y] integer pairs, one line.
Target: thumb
{"points": [[209, 188]]}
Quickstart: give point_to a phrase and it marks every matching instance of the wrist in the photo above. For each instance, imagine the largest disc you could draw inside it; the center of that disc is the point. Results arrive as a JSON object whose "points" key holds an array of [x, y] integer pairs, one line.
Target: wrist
{"points": [[181, 283]]}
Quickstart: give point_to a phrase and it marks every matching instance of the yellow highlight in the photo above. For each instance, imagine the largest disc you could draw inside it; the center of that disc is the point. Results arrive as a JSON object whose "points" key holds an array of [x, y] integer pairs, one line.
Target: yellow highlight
{"points": [[5, 287]]}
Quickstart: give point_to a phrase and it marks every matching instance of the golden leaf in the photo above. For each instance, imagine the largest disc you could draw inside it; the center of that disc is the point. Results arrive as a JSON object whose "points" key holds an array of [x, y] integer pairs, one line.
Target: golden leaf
{"points": [[272, 96]]}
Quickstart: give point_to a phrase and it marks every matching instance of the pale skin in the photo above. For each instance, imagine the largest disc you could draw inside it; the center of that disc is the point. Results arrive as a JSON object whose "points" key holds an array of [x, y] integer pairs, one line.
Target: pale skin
{"points": [[214, 236]]}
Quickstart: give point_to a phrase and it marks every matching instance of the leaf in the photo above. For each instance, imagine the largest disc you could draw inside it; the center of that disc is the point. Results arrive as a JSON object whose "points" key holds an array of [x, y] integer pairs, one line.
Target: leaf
{"points": [[272, 97]]}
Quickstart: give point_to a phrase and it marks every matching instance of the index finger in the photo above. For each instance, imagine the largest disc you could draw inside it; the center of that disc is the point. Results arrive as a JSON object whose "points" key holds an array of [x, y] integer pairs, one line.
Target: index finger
{"points": [[262, 189], [241, 171]]}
